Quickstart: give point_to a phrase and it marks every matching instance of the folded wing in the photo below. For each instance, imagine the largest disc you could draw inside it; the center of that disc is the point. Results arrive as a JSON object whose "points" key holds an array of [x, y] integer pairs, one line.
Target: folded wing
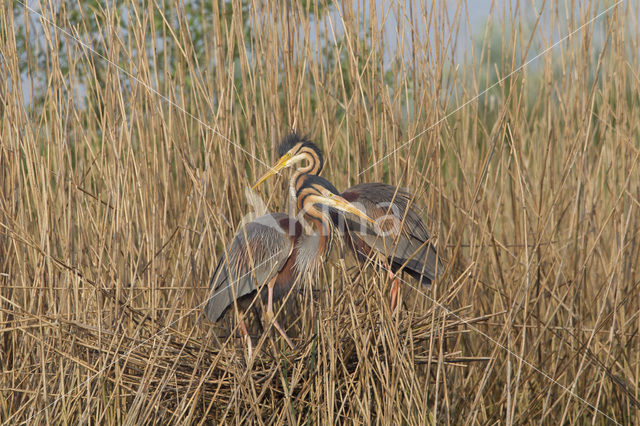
{"points": [[258, 251]]}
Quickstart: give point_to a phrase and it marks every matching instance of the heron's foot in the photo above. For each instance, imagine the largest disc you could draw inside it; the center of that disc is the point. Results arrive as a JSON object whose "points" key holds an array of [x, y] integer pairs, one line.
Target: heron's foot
{"points": [[247, 338], [284, 335], [272, 320]]}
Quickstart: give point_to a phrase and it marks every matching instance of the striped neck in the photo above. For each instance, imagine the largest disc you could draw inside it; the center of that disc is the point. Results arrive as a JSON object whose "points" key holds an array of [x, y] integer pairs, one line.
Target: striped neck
{"points": [[314, 161], [313, 247]]}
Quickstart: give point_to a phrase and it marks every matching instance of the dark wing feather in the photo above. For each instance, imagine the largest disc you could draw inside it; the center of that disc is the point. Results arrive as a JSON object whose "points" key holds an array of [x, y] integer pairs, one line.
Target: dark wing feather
{"points": [[269, 246], [405, 240]]}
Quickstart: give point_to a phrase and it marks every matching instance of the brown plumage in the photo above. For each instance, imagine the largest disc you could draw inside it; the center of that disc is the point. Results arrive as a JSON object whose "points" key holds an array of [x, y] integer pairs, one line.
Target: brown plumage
{"points": [[400, 239], [272, 252]]}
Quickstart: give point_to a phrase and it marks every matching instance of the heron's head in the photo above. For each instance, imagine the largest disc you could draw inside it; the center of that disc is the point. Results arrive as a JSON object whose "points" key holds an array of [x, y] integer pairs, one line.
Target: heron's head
{"points": [[316, 196], [295, 149]]}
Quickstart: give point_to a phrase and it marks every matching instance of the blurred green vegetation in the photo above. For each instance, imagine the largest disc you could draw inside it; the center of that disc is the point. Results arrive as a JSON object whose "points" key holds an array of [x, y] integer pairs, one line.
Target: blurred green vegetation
{"points": [[499, 70]]}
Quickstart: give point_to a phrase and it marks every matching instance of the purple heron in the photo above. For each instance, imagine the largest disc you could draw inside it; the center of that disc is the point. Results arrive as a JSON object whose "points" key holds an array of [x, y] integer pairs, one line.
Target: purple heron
{"points": [[399, 241], [273, 251]]}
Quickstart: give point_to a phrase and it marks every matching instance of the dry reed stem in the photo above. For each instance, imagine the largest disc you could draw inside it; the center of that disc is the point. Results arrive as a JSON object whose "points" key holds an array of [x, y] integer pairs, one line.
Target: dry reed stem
{"points": [[123, 167]]}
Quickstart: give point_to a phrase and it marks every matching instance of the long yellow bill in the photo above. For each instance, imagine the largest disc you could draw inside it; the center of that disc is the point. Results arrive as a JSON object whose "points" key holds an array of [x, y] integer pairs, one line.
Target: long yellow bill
{"points": [[281, 164], [342, 204]]}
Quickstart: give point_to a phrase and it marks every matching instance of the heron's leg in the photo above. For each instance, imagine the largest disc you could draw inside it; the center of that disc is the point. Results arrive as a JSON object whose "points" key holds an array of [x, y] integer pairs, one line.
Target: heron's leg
{"points": [[386, 265], [245, 335], [256, 312], [271, 317], [394, 290]]}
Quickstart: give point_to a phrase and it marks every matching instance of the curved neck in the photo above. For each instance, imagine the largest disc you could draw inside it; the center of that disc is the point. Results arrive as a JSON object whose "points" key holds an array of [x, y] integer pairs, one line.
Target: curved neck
{"points": [[322, 227], [312, 247], [313, 164], [296, 181]]}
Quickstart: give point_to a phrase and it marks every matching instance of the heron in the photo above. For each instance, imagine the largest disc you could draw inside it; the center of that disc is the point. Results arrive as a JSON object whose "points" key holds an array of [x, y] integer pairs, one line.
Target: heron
{"points": [[399, 241], [273, 251]]}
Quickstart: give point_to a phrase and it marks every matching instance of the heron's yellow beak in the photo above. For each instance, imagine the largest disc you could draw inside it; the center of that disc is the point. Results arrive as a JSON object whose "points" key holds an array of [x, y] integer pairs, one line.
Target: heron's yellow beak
{"points": [[342, 204], [282, 163]]}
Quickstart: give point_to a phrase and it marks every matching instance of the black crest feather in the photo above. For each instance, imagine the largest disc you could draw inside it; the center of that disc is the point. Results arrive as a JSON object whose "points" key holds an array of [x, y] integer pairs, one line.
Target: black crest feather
{"points": [[292, 139]]}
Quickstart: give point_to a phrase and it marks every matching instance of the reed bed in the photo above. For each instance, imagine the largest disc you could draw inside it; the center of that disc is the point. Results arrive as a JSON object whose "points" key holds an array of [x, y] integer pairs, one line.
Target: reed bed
{"points": [[130, 132]]}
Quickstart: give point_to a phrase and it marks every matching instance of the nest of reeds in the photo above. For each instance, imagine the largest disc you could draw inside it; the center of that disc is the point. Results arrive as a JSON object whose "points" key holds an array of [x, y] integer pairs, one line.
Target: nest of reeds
{"points": [[205, 373]]}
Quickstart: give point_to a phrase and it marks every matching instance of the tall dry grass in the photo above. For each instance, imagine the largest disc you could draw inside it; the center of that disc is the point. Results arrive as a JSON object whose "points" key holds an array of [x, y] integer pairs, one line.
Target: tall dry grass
{"points": [[124, 161]]}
